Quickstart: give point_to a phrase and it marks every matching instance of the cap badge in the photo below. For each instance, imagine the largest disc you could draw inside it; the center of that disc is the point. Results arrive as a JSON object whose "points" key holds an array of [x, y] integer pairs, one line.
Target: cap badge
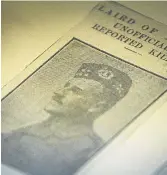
{"points": [[105, 73]]}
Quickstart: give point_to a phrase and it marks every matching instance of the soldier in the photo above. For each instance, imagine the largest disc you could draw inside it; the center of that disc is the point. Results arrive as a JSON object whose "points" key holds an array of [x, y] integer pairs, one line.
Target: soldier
{"points": [[65, 141]]}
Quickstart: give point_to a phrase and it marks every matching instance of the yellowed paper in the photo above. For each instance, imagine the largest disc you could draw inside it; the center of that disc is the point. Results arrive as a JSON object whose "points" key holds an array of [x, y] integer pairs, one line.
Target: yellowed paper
{"points": [[83, 91]]}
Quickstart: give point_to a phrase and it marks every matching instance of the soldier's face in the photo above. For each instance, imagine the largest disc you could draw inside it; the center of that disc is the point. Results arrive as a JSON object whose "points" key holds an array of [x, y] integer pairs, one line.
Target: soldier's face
{"points": [[75, 98]]}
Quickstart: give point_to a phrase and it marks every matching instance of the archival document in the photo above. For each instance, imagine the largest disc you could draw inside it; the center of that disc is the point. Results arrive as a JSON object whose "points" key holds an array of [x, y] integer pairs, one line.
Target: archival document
{"points": [[83, 91]]}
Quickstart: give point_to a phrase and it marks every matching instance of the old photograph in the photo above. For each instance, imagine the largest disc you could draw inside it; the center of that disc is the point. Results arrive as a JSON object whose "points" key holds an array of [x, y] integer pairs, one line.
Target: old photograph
{"points": [[67, 110]]}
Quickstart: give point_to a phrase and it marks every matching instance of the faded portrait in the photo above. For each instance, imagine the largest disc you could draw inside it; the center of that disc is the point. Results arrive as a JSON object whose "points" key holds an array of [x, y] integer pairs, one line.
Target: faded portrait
{"points": [[61, 144]]}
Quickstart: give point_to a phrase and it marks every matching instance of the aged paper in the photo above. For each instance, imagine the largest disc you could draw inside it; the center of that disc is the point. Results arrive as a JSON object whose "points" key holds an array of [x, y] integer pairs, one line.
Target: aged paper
{"points": [[83, 91], [139, 149]]}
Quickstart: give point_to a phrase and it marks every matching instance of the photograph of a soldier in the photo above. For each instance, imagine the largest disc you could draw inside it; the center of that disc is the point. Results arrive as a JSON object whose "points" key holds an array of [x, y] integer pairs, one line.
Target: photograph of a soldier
{"points": [[66, 140]]}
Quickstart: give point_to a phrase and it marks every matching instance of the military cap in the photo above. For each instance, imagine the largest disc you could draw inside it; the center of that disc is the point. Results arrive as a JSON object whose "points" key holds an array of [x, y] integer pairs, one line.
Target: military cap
{"points": [[115, 80]]}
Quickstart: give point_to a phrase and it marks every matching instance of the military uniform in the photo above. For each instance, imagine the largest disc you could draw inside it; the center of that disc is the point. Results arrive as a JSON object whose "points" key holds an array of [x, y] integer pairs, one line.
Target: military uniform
{"points": [[49, 155], [38, 151]]}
